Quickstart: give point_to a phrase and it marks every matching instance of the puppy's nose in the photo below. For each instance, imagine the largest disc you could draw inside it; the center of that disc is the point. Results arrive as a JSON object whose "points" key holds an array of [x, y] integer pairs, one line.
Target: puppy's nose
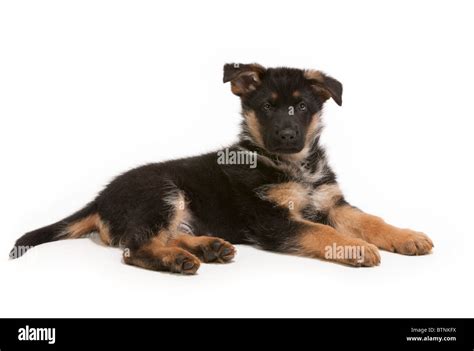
{"points": [[287, 134]]}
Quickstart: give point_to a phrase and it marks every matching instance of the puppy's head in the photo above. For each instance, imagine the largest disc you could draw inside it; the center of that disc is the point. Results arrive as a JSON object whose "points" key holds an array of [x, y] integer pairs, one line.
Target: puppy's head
{"points": [[281, 106]]}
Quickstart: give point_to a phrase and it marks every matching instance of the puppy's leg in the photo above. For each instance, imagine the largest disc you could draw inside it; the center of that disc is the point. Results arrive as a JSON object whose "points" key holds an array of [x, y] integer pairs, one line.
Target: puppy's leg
{"points": [[156, 249], [207, 248], [322, 241], [155, 255], [351, 221], [309, 239]]}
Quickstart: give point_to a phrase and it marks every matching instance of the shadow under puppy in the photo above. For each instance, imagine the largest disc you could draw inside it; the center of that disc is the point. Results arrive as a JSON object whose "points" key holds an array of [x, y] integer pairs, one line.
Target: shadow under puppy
{"points": [[171, 216]]}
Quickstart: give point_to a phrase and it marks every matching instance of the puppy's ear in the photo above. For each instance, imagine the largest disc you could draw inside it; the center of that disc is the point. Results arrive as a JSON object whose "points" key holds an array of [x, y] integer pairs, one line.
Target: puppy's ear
{"points": [[243, 78], [324, 86]]}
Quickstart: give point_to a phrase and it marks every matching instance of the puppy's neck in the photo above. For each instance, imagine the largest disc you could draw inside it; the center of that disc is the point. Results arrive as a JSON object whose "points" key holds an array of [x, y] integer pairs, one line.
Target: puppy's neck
{"points": [[310, 154]]}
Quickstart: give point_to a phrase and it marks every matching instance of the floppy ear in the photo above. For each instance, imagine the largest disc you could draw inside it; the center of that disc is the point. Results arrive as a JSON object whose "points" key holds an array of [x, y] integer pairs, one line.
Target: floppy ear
{"points": [[324, 86], [243, 78]]}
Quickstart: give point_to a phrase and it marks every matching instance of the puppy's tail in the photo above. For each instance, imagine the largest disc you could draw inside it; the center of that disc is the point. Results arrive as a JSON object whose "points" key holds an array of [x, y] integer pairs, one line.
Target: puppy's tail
{"points": [[78, 224]]}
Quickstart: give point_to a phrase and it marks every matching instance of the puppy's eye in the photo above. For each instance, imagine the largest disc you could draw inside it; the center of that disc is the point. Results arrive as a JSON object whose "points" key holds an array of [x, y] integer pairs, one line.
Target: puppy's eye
{"points": [[266, 107], [302, 106]]}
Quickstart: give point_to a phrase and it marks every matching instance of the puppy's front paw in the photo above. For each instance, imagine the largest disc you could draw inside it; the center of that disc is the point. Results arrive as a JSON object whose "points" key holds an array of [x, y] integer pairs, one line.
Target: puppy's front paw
{"points": [[409, 242], [358, 254], [369, 256]]}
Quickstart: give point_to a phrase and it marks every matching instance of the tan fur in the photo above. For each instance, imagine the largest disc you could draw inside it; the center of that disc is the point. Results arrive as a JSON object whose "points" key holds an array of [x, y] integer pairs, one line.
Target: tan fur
{"points": [[181, 214], [239, 87], [326, 196], [295, 197], [159, 240], [203, 246], [169, 257], [317, 76], [191, 242], [163, 252], [314, 75], [312, 128], [158, 249], [375, 230], [315, 238], [254, 127], [296, 94], [291, 195], [87, 225]]}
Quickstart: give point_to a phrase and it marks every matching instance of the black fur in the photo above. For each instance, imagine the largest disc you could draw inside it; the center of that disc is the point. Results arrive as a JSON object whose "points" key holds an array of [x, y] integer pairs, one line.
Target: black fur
{"points": [[49, 233]]}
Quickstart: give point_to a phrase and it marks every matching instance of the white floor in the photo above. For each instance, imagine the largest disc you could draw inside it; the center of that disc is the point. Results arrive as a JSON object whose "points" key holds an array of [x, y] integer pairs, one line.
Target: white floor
{"points": [[80, 278]]}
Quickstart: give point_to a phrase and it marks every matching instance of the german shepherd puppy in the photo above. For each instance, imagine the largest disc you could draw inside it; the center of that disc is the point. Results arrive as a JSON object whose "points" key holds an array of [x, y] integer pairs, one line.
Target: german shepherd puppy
{"points": [[273, 189]]}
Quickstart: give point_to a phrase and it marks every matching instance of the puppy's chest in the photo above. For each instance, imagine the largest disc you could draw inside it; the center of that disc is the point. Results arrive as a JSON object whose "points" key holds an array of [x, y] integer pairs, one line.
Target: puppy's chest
{"points": [[302, 195]]}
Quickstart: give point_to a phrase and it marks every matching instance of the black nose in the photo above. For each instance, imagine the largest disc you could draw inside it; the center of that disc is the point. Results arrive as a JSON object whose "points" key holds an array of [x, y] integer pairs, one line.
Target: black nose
{"points": [[287, 134]]}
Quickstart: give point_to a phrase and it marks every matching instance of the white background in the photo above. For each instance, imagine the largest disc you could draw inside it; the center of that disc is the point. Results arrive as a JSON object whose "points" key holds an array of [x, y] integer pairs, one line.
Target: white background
{"points": [[89, 89]]}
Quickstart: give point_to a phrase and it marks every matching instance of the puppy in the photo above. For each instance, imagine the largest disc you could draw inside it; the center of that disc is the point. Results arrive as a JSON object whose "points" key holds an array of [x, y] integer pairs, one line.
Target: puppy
{"points": [[273, 189]]}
